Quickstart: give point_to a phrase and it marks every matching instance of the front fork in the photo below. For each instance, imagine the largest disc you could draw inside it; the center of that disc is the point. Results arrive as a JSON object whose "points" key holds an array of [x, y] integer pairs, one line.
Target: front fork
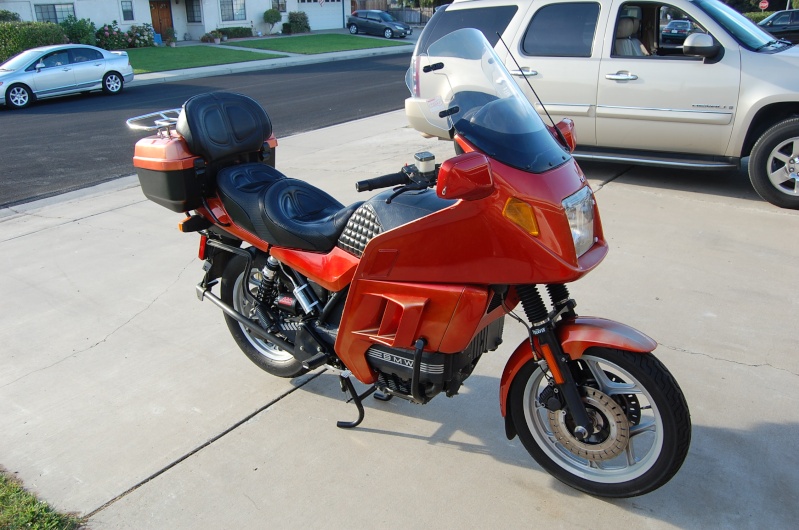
{"points": [[545, 343]]}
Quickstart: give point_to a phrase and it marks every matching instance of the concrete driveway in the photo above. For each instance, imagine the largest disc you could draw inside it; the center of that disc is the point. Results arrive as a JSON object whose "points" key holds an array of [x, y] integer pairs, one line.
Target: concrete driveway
{"points": [[123, 398]]}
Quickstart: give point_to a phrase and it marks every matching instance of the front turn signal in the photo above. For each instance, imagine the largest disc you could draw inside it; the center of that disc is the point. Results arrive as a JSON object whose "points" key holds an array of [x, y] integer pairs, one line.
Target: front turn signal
{"points": [[521, 214]]}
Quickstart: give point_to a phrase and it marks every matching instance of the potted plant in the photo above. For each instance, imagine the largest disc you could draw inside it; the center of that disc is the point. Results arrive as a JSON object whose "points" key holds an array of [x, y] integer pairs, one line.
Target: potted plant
{"points": [[170, 37], [217, 36]]}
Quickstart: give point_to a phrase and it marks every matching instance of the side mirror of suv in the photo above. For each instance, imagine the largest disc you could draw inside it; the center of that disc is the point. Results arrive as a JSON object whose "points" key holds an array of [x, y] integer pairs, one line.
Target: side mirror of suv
{"points": [[700, 45]]}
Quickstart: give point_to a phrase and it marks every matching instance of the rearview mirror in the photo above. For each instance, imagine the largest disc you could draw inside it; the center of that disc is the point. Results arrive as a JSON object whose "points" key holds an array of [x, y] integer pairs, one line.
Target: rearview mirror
{"points": [[39, 65], [467, 177]]}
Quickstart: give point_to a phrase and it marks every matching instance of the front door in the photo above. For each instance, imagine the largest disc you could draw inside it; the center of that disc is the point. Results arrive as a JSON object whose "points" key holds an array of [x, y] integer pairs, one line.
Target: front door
{"points": [[161, 13]]}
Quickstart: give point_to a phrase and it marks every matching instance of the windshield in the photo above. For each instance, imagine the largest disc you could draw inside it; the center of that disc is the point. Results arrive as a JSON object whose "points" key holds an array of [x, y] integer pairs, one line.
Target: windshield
{"points": [[460, 84], [741, 28], [387, 17], [20, 60]]}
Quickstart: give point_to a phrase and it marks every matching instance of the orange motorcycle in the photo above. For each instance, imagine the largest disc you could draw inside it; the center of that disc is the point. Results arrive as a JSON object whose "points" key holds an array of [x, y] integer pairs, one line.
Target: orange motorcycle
{"points": [[407, 290]]}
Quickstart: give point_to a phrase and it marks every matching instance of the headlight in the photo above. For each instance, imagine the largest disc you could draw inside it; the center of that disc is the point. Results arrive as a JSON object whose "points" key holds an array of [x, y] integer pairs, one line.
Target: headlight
{"points": [[580, 213]]}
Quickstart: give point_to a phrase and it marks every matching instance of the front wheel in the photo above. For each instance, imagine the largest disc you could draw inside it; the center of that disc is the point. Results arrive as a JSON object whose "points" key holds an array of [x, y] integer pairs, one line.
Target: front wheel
{"points": [[239, 287], [642, 427], [387, 33], [18, 96], [774, 164]]}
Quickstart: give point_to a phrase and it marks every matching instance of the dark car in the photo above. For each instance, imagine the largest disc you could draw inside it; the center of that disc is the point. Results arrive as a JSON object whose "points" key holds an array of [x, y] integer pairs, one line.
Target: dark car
{"points": [[376, 22], [676, 31], [783, 25]]}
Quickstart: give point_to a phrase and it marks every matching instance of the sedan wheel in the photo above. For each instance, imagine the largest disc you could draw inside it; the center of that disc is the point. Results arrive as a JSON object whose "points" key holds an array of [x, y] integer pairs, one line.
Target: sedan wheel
{"points": [[387, 33], [112, 83], [18, 96]]}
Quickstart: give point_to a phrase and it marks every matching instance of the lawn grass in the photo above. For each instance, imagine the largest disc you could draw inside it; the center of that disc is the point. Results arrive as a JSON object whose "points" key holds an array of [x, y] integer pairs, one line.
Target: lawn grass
{"points": [[162, 58], [313, 44], [19, 509]]}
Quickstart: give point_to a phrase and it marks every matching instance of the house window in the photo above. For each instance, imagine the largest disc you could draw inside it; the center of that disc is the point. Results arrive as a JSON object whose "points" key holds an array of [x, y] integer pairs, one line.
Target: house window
{"points": [[280, 5], [127, 10], [232, 10], [54, 13], [193, 11]]}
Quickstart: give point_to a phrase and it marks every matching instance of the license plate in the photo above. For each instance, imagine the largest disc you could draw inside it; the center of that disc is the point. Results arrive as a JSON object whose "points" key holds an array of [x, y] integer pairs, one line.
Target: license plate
{"points": [[674, 31]]}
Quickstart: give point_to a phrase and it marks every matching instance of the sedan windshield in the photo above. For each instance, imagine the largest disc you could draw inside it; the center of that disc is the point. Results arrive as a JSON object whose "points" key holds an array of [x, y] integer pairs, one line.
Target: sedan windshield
{"points": [[20, 60], [385, 17], [741, 28]]}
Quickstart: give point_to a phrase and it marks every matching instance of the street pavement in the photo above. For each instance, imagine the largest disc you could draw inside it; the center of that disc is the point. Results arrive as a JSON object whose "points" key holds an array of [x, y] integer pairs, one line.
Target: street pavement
{"points": [[124, 399]]}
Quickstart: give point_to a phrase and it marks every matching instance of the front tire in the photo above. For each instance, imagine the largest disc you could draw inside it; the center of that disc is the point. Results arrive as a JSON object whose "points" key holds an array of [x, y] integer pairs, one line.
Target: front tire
{"points": [[774, 164], [265, 355], [642, 427], [18, 96], [387, 33], [113, 83], [353, 29]]}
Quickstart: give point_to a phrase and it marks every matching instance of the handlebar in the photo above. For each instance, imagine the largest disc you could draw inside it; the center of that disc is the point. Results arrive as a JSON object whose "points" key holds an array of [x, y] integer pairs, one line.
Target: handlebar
{"points": [[385, 181]]}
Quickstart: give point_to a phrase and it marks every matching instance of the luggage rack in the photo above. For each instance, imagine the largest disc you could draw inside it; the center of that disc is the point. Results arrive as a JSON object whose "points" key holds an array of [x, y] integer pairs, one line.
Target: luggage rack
{"points": [[162, 121]]}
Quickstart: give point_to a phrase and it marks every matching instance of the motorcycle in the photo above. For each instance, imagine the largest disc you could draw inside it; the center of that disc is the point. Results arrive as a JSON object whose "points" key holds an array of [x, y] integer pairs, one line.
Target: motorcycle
{"points": [[407, 290]]}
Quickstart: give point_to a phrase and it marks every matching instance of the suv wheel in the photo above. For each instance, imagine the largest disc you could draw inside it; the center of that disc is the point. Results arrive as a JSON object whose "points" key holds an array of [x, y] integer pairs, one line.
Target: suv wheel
{"points": [[774, 164]]}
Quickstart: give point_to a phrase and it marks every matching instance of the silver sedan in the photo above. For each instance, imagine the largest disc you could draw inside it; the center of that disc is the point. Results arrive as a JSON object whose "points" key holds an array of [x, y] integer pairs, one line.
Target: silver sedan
{"points": [[57, 70]]}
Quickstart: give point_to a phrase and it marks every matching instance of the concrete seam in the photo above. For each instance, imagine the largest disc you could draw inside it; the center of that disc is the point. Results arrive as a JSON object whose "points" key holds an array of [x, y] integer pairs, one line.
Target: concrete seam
{"points": [[749, 365], [204, 445]]}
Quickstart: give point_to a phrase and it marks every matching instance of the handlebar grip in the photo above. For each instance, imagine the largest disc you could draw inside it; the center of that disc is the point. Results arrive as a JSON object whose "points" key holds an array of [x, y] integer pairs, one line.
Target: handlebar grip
{"points": [[385, 181]]}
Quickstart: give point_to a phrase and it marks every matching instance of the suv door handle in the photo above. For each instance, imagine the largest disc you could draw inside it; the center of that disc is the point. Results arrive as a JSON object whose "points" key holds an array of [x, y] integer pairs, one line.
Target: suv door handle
{"points": [[524, 72], [621, 76]]}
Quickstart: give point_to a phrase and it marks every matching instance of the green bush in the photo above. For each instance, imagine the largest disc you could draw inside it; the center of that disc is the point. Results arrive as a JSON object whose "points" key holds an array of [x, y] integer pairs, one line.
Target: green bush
{"points": [[110, 37], [142, 36], [298, 20], [79, 31], [272, 17], [286, 29], [236, 32], [20, 36], [9, 16]]}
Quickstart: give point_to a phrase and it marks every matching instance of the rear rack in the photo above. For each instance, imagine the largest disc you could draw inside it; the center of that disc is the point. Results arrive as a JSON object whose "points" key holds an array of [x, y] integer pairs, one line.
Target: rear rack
{"points": [[161, 121]]}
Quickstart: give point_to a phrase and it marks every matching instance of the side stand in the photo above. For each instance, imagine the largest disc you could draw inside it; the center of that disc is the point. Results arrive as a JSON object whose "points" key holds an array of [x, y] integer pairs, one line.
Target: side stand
{"points": [[347, 386]]}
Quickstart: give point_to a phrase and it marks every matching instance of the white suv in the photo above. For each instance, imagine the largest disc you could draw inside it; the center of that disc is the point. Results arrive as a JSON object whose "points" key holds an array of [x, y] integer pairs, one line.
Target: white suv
{"points": [[704, 99]]}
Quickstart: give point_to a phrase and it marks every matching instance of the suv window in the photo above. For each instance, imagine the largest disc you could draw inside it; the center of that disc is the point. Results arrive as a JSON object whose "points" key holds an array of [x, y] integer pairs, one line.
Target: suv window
{"points": [[489, 20], [562, 30]]}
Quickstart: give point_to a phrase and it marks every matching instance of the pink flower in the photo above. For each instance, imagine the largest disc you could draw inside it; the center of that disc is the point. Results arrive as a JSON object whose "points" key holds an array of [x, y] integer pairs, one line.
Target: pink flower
{"points": [[106, 34]]}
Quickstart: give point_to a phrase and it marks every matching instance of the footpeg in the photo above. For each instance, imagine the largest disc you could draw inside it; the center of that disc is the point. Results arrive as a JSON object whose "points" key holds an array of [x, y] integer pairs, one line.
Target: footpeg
{"points": [[315, 362]]}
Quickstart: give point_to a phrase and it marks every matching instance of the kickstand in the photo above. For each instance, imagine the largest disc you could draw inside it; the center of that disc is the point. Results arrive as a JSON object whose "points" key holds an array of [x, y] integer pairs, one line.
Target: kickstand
{"points": [[347, 386]]}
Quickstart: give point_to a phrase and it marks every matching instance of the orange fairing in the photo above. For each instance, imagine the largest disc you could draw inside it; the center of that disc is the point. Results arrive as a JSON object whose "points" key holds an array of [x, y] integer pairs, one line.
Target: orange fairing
{"points": [[397, 314], [333, 271]]}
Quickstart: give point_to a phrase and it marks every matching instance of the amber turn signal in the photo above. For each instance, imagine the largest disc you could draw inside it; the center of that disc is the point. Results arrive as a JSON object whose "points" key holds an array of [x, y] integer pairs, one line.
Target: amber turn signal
{"points": [[521, 214]]}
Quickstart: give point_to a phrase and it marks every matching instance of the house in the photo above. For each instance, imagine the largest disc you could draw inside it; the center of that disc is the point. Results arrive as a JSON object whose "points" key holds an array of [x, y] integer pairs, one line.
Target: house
{"points": [[190, 18]]}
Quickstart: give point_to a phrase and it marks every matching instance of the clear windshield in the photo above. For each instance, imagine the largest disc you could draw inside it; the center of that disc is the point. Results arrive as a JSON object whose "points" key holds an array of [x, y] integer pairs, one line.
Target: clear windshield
{"points": [[461, 85], [19, 61]]}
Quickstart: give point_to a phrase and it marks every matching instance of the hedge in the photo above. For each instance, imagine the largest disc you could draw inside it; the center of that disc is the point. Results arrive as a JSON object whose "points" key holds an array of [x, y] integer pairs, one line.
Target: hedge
{"points": [[235, 32], [16, 37]]}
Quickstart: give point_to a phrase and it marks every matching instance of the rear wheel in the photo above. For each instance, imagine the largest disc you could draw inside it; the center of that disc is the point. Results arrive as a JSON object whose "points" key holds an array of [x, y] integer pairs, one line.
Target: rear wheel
{"points": [[18, 96], [112, 83], [238, 290], [774, 164], [642, 427]]}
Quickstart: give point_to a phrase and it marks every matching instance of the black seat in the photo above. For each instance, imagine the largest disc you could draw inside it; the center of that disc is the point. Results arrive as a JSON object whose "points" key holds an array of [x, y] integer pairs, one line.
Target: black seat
{"points": [[228, 131]]}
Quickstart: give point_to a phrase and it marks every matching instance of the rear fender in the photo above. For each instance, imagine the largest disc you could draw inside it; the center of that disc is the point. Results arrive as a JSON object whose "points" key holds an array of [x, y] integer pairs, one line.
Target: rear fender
{"points": [[577, 335]]}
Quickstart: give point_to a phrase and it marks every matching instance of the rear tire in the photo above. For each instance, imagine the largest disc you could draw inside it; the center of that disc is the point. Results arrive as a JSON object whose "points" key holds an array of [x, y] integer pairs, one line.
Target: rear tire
{"points": [[265, 355], [774, 164], [113, 83], [353, 29], [642, 424]]}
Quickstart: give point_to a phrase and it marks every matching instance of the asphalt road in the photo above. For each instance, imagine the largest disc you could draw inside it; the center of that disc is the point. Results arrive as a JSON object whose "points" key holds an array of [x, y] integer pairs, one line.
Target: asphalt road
{"points": [[63, 144]]}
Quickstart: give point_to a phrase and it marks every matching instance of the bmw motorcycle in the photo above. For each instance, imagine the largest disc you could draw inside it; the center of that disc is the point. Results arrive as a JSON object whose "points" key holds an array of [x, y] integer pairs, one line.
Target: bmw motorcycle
{"points": [[408, 289]]}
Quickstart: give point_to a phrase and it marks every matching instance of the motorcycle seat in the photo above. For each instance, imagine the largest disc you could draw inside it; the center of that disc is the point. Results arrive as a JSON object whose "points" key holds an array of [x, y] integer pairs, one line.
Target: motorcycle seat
{"points": [[282, 211]]}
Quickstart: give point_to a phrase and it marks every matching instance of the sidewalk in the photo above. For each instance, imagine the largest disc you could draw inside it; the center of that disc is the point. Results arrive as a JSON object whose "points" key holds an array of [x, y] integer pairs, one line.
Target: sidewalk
{"points": [[123, 397]]}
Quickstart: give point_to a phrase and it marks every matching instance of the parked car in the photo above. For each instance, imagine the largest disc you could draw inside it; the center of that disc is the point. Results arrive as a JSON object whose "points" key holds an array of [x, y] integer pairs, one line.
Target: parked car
{"points": [[783, 25], [730, 92], [376, 22], [675, 31], [63, 69]]}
